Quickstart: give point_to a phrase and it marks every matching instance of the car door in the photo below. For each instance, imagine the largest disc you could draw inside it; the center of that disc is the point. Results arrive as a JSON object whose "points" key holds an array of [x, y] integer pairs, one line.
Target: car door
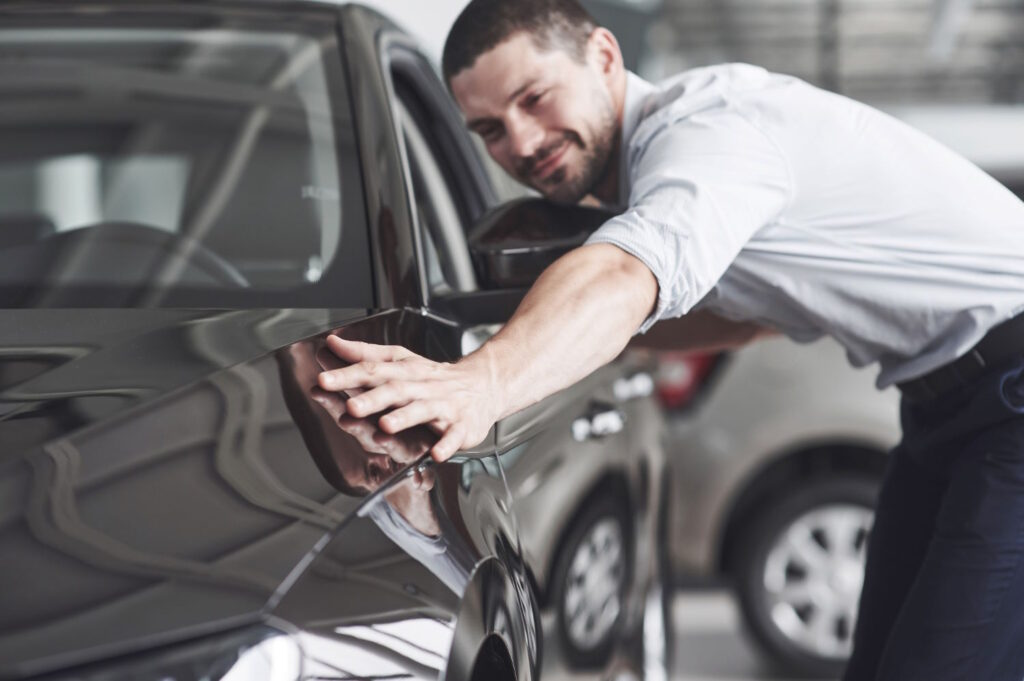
{"points": [[176, 501]]}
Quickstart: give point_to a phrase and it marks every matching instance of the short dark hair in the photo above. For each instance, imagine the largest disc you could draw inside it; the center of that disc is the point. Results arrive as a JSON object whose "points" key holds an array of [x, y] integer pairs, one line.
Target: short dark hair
{"points": [[484, 24]]}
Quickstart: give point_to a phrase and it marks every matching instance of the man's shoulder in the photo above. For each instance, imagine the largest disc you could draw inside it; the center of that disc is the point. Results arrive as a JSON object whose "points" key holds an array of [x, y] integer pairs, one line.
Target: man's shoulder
{"points": [[737, 91], [729, 74], [694, 96]]}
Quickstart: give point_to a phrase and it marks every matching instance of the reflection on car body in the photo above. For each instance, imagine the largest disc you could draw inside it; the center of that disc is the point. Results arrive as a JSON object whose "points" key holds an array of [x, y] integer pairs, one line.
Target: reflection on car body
{"points": [[191, 198]]}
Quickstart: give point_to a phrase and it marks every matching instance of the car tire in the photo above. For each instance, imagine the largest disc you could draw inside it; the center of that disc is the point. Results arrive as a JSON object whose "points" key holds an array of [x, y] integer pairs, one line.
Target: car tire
{"points": [[590, 580], [799, 569]]}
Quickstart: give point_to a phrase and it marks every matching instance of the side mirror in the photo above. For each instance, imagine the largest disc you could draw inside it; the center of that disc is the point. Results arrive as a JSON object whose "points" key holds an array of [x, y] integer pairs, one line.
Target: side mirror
{"points": [[512, 244]]}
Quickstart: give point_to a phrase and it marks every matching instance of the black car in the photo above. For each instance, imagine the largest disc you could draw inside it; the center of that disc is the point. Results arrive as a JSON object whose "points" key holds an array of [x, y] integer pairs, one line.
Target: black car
{"points": [[192, 197]]}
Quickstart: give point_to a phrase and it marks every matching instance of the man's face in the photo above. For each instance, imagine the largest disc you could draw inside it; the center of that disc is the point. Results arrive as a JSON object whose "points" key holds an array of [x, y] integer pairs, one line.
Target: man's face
{"points": [[546, 118]]}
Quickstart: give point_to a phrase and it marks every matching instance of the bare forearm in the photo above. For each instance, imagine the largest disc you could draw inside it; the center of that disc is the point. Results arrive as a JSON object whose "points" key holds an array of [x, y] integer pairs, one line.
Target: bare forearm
{"points": [[578, 316]]}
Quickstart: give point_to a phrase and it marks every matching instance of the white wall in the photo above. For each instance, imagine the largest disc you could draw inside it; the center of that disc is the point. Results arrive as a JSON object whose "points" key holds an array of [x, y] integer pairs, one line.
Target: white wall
{"points": [[991, 136], [428, 20]]}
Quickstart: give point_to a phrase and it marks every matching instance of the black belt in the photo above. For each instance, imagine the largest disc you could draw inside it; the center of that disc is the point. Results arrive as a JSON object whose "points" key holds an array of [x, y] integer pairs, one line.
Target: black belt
{"points": [[1000, 344]]}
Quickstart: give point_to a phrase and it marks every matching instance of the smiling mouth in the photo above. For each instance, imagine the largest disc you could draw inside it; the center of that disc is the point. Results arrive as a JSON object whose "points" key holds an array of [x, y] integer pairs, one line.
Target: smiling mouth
{"points": [[544, 169]]}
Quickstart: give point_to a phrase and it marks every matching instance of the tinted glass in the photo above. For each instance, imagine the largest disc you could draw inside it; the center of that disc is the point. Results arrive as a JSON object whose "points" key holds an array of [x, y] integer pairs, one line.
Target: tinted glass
{"points": [[187, 159], [443, 205], [441, 235]]}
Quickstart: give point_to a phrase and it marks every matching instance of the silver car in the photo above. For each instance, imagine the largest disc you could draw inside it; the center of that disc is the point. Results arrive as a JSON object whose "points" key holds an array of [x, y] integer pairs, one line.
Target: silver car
{"points": [[777, 453]]}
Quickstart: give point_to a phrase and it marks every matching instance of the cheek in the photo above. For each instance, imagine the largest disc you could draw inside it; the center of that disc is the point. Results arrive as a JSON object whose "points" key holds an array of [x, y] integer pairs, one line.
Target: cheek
{"points": [[508, 161], [572, 104], [498, 151]]}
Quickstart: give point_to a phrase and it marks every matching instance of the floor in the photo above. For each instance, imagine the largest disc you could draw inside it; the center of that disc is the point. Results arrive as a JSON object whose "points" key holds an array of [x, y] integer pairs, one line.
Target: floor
{"points": [[709, 645]]}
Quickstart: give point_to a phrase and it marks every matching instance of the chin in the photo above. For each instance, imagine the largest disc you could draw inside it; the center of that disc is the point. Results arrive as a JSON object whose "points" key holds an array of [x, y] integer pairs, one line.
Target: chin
{"points": [[567, 192], [564, 198]]}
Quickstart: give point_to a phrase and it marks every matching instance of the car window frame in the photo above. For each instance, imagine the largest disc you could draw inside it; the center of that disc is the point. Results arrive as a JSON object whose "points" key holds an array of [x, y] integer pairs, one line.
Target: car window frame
{"points": [[409, 73]]}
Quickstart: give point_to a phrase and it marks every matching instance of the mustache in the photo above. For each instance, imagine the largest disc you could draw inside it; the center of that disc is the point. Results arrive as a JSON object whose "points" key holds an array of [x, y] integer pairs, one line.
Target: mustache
{"points": [[526, 165]]}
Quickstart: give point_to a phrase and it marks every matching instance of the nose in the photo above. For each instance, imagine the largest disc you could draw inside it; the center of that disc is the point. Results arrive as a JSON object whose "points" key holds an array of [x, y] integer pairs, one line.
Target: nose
{"points": [[525, 135]]}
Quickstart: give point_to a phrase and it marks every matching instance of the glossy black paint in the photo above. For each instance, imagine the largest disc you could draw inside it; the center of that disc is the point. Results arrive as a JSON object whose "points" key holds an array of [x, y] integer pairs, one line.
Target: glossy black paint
{"points": [[515, 242], [396, 272], [175, 493]]}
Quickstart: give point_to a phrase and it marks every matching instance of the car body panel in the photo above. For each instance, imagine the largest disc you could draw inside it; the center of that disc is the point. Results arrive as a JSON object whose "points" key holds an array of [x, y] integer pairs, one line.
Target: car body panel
{"points": [[174, 489], [224, 504]]}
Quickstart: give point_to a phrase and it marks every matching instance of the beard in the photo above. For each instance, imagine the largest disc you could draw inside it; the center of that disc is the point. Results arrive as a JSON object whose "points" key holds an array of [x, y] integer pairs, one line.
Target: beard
{"points": [[563, 187]]}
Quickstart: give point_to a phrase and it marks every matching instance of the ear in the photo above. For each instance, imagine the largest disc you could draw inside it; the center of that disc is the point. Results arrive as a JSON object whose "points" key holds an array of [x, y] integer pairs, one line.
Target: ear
{"points": [[603, 50]]}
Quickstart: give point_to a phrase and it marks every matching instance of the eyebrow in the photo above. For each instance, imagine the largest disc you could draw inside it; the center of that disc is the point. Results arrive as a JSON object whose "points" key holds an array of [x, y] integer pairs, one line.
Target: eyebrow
{"points": [[478, 122], [521, 89]]}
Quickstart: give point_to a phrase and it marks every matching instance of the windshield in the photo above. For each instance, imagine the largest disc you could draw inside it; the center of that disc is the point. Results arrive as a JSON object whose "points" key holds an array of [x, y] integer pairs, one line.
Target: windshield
{"points": [[187, 159]]}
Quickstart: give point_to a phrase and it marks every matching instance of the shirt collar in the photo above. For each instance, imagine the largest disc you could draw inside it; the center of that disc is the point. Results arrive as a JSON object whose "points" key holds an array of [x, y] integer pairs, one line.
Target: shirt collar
{"points": [[637, 92]]}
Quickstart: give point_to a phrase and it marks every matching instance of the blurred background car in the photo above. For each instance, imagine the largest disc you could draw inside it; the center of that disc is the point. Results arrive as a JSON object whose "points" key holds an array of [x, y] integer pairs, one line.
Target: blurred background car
{"points": [[777, 452]]}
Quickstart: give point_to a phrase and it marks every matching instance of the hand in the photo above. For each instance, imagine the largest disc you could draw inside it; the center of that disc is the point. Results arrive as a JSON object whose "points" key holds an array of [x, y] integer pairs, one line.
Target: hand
{"points": [[403, 448], [458, 401], [386, 454]]}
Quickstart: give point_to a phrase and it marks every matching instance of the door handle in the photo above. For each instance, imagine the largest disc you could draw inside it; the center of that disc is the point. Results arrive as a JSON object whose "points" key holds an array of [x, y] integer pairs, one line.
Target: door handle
{"points": [[640, 384], [600, 421]]}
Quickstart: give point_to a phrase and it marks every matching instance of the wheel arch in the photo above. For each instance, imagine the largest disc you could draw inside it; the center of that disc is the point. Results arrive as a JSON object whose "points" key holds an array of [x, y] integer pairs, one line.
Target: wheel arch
{"points": [[493, 661], [613, 482], [492, 629], [774, 479]]}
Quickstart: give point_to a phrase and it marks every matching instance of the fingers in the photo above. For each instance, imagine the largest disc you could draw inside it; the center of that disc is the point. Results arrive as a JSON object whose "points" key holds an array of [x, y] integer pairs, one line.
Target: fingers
{"points": [[370, 374], [327, 360], [412, 414], [333, 403], [358, 351], [402, 450], [451, 442], [387, 396]]}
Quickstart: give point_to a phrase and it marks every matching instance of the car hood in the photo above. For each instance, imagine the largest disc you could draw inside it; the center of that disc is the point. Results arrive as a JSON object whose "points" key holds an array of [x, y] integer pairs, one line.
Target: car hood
{"points": [[165, 474]]}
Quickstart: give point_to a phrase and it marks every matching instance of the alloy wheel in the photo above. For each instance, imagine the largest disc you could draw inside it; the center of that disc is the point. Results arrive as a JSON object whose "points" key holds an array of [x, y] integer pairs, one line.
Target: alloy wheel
{"points": [[594, 584], [813, 576]]}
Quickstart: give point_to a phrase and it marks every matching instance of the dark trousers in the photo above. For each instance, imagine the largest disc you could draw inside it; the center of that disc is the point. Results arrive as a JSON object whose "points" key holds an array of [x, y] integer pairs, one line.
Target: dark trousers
{"points": [[943, 590]]}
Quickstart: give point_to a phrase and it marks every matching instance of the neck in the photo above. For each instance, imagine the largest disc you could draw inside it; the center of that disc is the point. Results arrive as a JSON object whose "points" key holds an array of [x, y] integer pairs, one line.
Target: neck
{"points": [[606, 189]]}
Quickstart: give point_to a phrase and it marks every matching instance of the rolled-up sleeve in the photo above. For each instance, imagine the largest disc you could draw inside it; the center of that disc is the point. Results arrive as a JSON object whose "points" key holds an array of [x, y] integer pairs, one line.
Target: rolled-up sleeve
{"points": [[700, 188]]}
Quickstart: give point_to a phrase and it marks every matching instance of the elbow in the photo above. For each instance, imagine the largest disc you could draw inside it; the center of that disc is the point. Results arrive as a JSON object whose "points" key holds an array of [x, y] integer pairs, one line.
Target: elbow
{"points": [[631, 284], [639, 285]]}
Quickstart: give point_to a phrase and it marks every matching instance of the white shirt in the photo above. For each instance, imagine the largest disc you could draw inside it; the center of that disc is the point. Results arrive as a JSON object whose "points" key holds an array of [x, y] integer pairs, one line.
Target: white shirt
{"points": [[436, 554], [763, 198]]}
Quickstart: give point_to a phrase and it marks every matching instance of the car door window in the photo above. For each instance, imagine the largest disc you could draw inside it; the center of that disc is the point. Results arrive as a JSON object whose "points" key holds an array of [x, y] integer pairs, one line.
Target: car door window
{"points": [[450, 181], [440, 226], [442, 234], [148, 160]]}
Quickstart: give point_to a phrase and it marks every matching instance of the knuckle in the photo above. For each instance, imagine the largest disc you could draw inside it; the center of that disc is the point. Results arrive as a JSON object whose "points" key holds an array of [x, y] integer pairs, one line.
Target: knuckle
{"points": [[402, 390]]}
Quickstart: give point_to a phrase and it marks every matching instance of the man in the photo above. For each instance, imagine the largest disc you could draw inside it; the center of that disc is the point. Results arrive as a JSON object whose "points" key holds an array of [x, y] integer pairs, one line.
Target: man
{"points": [[757, 198]]}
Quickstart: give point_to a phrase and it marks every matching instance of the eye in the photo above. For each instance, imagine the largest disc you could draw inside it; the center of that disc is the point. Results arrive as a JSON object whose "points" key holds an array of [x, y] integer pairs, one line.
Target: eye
{"points": [[491, 135], [533, 99]]}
